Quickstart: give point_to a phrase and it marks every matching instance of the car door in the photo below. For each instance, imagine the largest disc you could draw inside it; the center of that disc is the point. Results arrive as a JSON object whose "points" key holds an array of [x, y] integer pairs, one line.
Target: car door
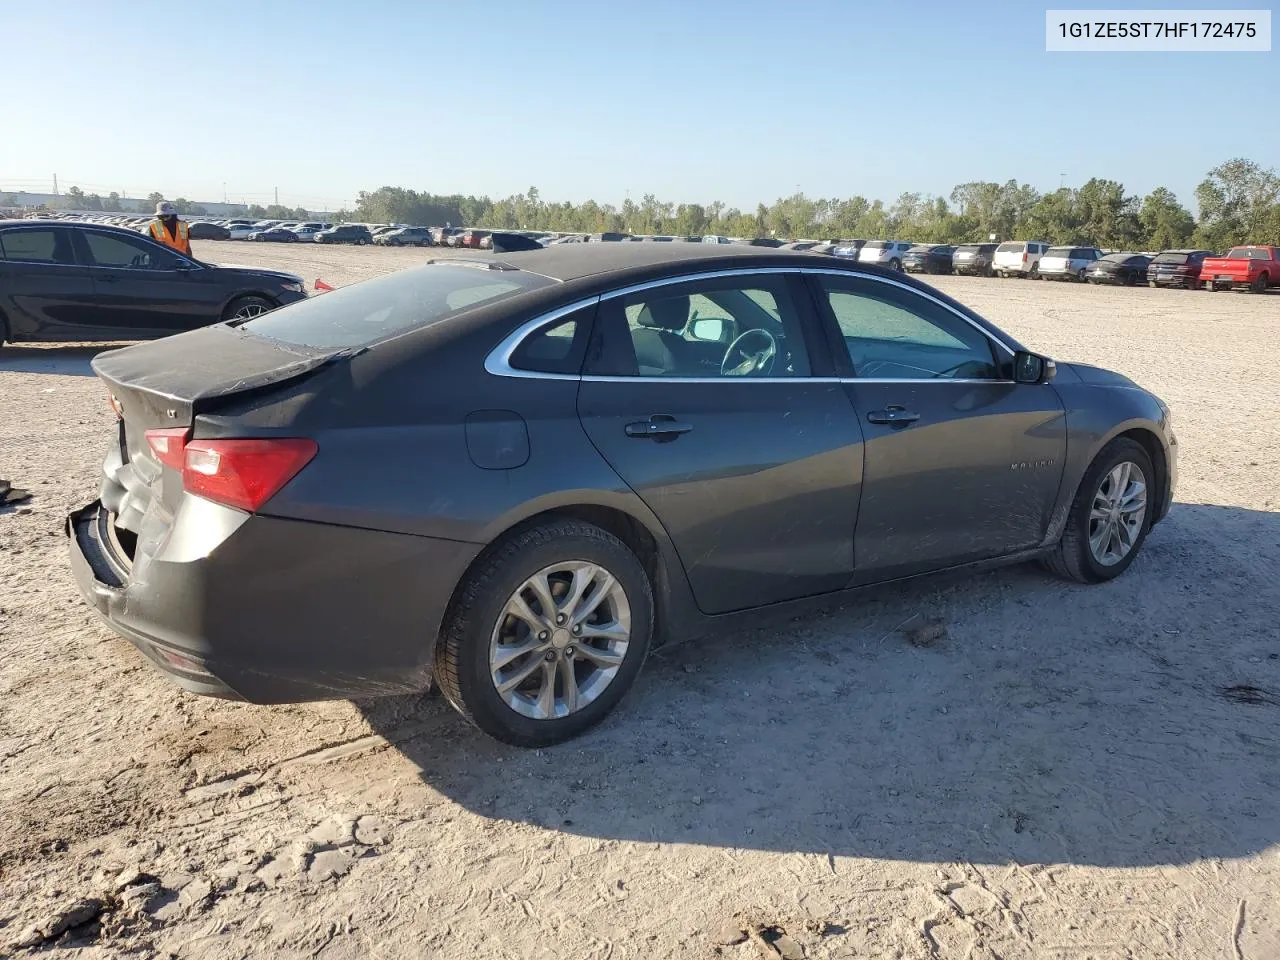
{"points": [[961, 463], [752, 464], [45, 292], [146, 289]]}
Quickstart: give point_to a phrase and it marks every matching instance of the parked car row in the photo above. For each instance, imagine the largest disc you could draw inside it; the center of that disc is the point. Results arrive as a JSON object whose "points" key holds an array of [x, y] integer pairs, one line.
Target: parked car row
{"points": [[1255, 267]]}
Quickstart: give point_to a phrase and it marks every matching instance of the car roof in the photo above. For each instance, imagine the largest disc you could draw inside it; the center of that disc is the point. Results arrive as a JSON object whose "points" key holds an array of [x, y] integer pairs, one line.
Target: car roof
{"points": [[72, 224], [572, 261]]}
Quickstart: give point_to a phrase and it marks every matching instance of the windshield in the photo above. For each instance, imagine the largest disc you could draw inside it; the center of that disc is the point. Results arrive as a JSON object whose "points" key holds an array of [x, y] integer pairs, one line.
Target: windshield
{"points": [[364, 313]]}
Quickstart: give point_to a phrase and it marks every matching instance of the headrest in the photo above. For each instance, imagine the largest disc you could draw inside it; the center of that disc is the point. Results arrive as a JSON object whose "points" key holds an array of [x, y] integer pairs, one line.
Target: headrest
{"points": [[670, 313]]}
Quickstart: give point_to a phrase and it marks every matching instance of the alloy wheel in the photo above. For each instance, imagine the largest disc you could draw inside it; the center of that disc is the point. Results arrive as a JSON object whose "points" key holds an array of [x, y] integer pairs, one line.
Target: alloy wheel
{"points": [[560, 640], [249, 311], [1118, 512]]}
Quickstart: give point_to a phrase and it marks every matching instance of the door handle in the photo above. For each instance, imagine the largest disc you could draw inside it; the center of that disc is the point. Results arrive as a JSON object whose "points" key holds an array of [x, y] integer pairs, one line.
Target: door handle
{"points": [[659, 427], [894, 415]]}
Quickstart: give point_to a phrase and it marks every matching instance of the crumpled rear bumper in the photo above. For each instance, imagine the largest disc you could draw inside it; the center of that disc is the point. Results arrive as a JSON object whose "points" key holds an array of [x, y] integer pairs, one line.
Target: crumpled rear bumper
{"points": [[270, 609]]}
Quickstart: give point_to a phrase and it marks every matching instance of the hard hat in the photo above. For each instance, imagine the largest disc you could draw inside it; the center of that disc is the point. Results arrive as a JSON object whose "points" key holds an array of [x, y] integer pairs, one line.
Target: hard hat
{"points": [[166, 209]]}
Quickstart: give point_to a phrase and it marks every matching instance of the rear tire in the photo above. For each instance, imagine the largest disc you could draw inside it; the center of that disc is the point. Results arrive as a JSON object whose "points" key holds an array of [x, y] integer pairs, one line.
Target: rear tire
{"points": [[1260, 284], [895, 264], [479, 620], [1074, 557], [246, 308]]}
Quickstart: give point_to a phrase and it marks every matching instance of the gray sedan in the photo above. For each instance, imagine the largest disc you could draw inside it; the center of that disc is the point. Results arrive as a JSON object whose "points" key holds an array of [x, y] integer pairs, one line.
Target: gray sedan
{"points": [[517, 473]]}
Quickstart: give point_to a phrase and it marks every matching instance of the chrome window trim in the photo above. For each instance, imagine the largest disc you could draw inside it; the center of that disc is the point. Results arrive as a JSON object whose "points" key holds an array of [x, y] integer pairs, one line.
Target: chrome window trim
{"points": [[498, 360]]}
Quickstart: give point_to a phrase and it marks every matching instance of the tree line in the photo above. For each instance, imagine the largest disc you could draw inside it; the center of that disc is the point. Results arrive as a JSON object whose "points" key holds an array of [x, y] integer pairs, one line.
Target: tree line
{"points": [[77, 199], [1238, 202]]}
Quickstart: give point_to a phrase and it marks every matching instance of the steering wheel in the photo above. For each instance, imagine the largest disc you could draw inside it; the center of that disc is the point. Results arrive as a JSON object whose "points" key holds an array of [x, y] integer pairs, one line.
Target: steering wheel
{"points": [[742, 361]]}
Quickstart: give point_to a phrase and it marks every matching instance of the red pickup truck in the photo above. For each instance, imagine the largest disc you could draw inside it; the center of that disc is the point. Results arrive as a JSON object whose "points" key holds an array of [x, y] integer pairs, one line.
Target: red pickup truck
{"points": [[1254, 267]]}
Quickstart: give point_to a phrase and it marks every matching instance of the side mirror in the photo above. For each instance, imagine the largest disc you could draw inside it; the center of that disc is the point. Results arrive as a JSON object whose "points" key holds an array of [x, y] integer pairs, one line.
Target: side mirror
{"points": [[708, 328], [1032, 368]]}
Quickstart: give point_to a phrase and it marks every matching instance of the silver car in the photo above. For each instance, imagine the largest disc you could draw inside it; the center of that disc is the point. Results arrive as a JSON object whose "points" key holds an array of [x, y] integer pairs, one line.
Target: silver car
{"points": [[1068, 263]]}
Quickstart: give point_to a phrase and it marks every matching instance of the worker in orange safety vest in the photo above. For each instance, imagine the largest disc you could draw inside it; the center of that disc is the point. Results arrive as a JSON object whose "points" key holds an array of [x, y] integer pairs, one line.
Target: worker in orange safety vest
{"points": [[166, 228]]}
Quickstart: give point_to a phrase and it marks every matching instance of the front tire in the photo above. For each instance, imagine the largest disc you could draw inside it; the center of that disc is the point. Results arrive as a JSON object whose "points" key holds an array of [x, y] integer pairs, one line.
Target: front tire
{"points": [[546, 634], [1110, 516], [246, 308]]}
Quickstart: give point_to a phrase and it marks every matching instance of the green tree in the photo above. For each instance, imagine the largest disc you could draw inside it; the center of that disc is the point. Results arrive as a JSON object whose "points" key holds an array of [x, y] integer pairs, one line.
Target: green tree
{"points": [[153, 198], [1166, 224], [1106, 216], [93, 202], [75, 199], [1237, 204], [1054, 218], [112, 203]]}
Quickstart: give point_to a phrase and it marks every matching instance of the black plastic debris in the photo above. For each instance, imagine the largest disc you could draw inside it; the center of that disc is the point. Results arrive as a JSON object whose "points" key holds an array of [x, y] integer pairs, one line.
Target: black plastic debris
{"points": [[9, 494]]}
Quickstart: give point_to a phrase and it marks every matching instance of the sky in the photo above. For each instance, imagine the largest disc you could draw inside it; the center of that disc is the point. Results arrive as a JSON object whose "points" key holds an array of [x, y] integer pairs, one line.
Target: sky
{"points": [[692, 100]]}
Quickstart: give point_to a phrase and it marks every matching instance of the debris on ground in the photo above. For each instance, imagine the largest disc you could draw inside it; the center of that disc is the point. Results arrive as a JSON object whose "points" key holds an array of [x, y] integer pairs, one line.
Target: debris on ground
{"points": [[926, 633], [9, 494], [76, 914], [773, 941]]}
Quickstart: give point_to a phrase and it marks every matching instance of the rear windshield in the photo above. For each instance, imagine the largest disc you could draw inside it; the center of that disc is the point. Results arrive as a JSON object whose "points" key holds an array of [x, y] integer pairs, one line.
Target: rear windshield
{"points": [[1059, 252], [876, 244], [376, 309], [1171, 258], [975, 248], [1248, 253], [1010, 248], [1118, 257]]}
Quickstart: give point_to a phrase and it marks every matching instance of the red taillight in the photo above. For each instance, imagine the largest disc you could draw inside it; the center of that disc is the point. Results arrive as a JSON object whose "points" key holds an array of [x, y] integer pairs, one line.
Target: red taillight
{"points": [[1024, 256], [168, 445], [243, 473]]}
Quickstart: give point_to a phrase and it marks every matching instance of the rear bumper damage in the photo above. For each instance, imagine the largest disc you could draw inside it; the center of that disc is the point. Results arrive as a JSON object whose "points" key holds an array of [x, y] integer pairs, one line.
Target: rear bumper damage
{"points": [[268, 609]]}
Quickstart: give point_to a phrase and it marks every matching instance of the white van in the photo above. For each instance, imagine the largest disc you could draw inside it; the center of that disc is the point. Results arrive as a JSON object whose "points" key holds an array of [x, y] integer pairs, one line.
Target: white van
{"points": [[1019, 258]]}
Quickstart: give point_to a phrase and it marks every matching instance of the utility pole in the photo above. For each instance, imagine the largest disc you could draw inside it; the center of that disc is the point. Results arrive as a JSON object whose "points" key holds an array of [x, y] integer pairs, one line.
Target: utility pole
{"points": [[55, 184], [277, 190], [224, 191], [1062, 180]]}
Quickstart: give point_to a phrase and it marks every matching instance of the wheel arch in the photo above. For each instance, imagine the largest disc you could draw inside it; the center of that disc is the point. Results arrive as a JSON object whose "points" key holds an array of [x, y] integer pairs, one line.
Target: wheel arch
{"points": [[242, 294], [644, 536]]}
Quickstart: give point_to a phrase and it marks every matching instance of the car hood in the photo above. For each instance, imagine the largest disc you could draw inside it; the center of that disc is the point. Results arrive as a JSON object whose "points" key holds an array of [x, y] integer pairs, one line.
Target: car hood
{"points": [[255, 271], [1100, 375]]}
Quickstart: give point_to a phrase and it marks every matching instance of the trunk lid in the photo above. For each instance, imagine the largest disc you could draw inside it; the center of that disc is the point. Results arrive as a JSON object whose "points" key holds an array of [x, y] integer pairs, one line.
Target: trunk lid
{"points": [[165, 384]]}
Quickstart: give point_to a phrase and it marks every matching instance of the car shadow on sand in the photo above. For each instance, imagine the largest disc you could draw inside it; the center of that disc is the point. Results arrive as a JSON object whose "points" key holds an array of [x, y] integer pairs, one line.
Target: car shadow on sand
{"points": [[1134, 723], [68, 361]]}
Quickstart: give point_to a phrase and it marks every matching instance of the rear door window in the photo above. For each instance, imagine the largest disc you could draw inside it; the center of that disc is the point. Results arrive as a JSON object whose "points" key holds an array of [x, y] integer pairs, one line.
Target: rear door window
{"points": [[37, 245], [365, 313]]}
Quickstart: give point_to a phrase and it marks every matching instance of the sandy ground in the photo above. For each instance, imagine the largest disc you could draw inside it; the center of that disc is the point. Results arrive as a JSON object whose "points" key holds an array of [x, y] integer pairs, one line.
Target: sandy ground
{"points": [[1072, 772]]}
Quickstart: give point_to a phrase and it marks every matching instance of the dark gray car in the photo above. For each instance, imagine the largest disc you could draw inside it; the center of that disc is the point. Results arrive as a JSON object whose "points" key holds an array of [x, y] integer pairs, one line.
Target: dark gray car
{"points": [[518, 473]]}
